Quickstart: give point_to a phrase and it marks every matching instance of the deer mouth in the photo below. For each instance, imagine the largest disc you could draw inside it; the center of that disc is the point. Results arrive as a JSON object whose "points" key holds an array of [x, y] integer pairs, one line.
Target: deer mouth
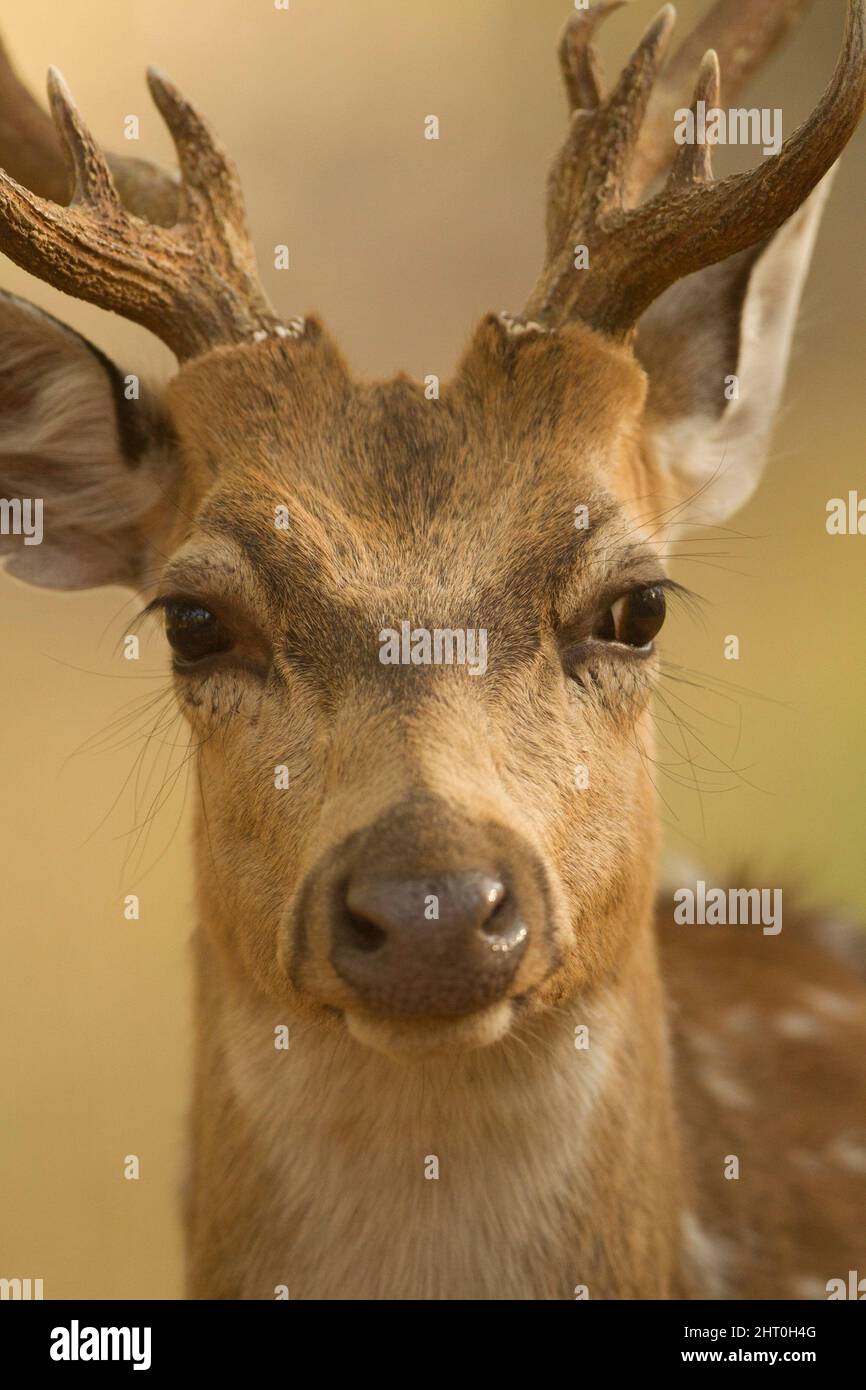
{"points": [[419, 1039]]}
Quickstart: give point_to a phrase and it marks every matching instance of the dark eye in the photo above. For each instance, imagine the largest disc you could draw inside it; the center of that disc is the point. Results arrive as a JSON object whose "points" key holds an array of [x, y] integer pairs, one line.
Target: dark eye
{"points": [[194, 632], [634, 620]]}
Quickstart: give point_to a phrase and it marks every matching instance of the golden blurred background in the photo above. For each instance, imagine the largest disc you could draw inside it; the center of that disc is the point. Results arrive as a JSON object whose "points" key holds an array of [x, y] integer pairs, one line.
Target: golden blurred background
{"points": [[400, 244]]}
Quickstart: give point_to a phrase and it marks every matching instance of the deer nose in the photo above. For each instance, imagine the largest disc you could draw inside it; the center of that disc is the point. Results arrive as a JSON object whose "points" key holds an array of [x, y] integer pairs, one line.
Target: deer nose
{"points": [[440, 946]]}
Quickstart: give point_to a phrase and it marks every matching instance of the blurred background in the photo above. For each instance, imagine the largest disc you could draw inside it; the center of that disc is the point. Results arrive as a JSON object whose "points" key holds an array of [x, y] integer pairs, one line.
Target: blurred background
{"points": [[400, 244]]}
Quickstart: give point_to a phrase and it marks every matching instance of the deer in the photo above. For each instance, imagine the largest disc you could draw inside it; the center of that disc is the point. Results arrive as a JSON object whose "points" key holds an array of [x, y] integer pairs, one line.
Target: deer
{"points": [[408, 912]]}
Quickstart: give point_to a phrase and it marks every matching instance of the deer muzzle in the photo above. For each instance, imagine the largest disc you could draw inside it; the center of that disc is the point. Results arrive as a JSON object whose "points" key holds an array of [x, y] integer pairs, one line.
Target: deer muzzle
{"points": [[426, 914], [436, 946]]}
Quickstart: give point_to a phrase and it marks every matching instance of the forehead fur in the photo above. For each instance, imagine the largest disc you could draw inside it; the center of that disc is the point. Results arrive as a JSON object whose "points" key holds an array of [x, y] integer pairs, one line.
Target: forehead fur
{"points": [[459, 508], [551, 418]]}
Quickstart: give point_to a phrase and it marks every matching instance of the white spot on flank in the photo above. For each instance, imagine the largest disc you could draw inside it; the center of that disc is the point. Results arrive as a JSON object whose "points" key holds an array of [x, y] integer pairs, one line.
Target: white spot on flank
{"points": [[713, 1052], [848, 1152], [845, 1151], [724, 1089], [808, 1286], [843, 939], [807, 1160], [707, 1044], [798, 1026], [706, 1256], [837, 1006]]}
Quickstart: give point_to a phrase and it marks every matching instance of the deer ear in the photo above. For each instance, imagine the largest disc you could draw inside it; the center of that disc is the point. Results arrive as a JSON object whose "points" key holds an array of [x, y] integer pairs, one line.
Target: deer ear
{"points": [[715, 347], [86, 457]]}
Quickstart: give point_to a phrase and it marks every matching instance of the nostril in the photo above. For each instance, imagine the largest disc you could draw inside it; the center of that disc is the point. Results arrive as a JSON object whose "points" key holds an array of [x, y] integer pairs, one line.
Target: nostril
{"points": [[503, 928], [363, 934], [500, 912]]}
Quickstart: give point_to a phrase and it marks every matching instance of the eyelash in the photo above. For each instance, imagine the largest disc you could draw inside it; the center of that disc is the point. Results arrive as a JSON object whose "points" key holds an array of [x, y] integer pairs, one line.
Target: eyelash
{"points": [[580, 642], [167, 604]]}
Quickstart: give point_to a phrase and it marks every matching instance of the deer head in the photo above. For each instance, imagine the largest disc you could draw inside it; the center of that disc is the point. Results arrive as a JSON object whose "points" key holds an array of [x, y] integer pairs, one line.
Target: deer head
{"points": [[414, 638]]}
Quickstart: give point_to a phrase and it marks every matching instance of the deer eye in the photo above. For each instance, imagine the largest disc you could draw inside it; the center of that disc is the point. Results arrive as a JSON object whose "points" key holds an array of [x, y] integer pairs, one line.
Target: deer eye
{"points": [[634, 620], [194, 632]]}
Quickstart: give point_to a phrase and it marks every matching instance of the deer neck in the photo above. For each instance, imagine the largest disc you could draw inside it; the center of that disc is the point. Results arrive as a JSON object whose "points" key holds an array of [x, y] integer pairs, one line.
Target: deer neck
{"points": [[534, 1168]]}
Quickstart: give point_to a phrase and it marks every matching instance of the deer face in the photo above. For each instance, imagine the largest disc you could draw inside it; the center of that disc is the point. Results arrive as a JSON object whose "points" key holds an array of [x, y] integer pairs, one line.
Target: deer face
{"points": [[425, 833], [414, 638]]}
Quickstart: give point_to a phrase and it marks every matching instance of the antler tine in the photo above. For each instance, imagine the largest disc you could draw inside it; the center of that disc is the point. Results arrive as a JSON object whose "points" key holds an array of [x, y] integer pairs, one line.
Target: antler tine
{"points": [[584, 85], [578, 59], [194, 285], [92, 183], [204, 165], [211, 194], [694, 163], [635, 254], [588, 176], [743, 36], [60, 244], [31, 152], [616, 132]]}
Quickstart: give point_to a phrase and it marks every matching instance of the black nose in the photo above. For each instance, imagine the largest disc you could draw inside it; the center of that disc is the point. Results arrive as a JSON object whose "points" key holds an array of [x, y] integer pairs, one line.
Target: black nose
{"points": [[438, 946]]}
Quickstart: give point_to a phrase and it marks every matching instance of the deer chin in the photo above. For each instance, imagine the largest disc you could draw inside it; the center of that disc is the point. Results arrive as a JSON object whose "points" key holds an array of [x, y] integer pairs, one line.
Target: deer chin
{"points": [[422, 1038]]}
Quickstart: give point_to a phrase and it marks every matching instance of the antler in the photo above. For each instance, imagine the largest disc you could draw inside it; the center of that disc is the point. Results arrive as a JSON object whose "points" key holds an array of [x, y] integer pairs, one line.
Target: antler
{"points": [[743, 36], [31, 152], [635, 253], [194, 284]]}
